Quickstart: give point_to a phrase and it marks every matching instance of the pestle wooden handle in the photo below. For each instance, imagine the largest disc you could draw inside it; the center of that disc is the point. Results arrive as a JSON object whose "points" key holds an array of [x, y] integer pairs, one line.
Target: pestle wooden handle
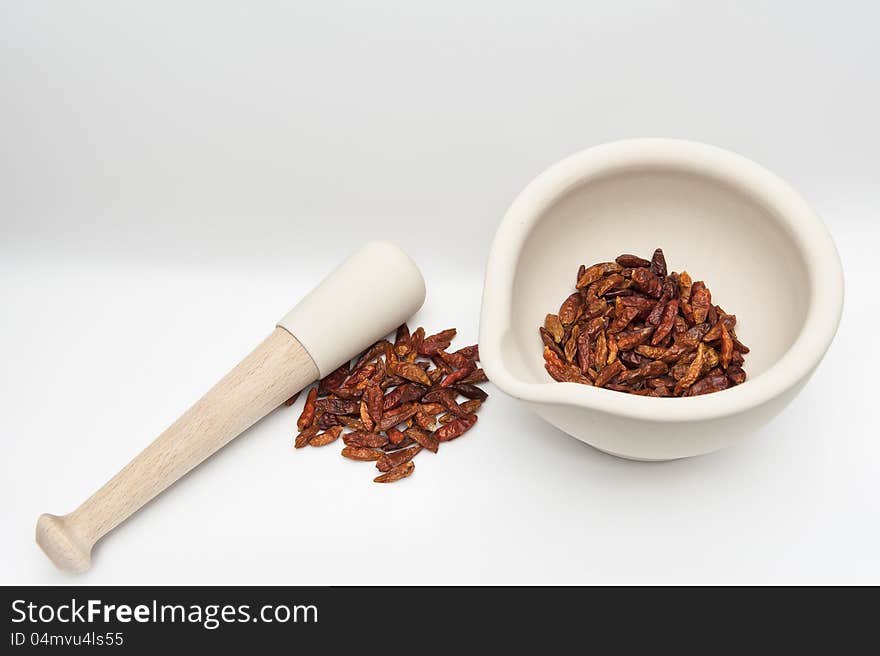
{"points": [[272, 373], [384, 288]]}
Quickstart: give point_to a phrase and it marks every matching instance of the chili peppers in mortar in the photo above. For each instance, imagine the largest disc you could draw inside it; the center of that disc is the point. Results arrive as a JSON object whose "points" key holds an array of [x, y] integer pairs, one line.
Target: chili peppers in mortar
{"points": [[632, 327]]}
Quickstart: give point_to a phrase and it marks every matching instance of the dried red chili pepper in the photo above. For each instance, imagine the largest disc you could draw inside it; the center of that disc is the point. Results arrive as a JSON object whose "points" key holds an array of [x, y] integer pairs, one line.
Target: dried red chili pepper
{"points": [[402, 341], [613, 348], [646, 281], [571, 344], [308, 413], [391, 448], [648, 370], [584, 351], [379, 374], [374, 401], [303, 438], [693, 371], [701, 300], [423, 438], [457, 376], [397, 416], [685, 285], [604, 285], [372, 353], [455, 428], [454, 360], [738, 345], [601, 350], [608, 372], [410, 371], [396, 474], [554, 326], [656, 313], [347, 393], [431, 408], [327, 437], [726, 320], [643, 303], [736, 375], [658, 263], [623, 319], [440, 341], [402, 394], [479, 376], [595, 272], [351, 423], [666, 322], [336, 406], [415, 340], [472, 352], [470, 391], [365, 438], [470, 407], [633, 359], [358, 376], [361, 453], [446, 398], [425, 421], [571, 309], [632, 261], [395, 436], [630, 339], [550, 343], [326, 420], [391, 460], [334, 379], [711, 383]]}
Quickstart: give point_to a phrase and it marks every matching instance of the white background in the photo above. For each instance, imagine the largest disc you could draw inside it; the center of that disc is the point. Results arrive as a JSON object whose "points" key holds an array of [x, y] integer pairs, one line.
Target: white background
{"points": [[175, 175]]}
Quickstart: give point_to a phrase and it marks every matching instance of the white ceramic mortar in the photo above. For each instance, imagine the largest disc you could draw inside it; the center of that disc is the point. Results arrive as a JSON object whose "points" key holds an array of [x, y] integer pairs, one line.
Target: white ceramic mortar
{"points": [[762, 251]]}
